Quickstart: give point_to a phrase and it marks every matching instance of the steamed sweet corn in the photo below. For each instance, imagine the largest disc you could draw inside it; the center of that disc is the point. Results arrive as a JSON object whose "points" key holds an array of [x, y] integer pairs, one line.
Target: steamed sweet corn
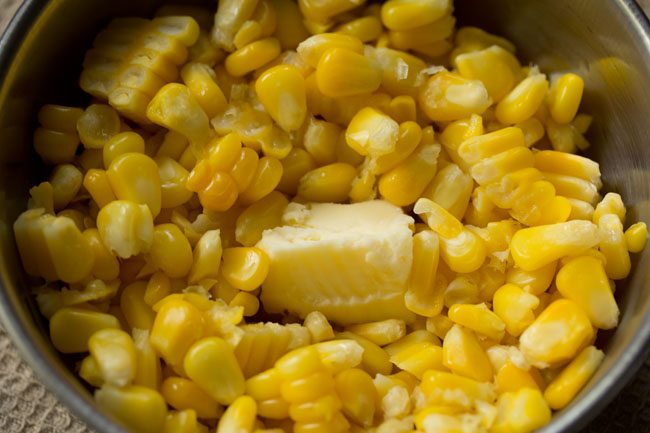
{"points": [[323, 216]]}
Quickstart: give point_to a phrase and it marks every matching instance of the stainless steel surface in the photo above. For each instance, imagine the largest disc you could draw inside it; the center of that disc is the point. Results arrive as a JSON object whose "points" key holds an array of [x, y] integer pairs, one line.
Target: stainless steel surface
{"points": [[606, 41]]}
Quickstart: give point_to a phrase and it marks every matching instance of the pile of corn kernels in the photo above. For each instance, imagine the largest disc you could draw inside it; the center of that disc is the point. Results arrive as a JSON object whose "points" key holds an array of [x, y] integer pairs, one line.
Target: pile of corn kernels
{"points": [[204, 127]]}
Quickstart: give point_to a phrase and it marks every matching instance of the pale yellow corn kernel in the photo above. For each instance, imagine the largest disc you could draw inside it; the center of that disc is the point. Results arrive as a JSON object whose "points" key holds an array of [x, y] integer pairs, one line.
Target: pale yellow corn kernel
{"points": [[439, 325], [97, 184], [479, 319], [134, 177], [173, 145], [299, 363], [243, 170], [533, 131], [263, 23], [523, 101], [407, 15], [463, 253], [245, 268], [338, 355], [372, 133], [374, 359], [277, 143], [281, 89], [182, 28], [451, 189], [177, 326], [515, 307], [229, 18], [438, 218], [66, 180], [114, 352], [366, 29], [424, 295], [252, 56], [171, 251], [321, 139], [267, 176], [223, 290], [521, 411], [59, 117], [175, 108], [403, 108], [535, 247], [473, 36], [343, 72], [148, 372], [496, 67], [249, 302], [564, 97], [573, 187], [183, 394], [493, 168], [461, 290], [204, 51], [456, 133], [581, 122], [206, 257], [97, 125], [409, 135], [613, 246], [463, 354], [400, 71], [240, 416], [556, 210], [556, 335], [275, 408], [55, 147], [224, 384], [415, 337], [126, 228], [105, 265], [424, 36], [290, 29], [447, 389], [636, 236], [447, 96], [550, 161], [573, 377], [71, 328], [219, 194], [511, 378], [344, 153], [381, 333], [404, 184], [265, 385], [583, 280], [137, 313], [313, 48], [475, 149], [200, 79], [138, 408], [612, 203], [328, 184], [580, 210], [89, 371], [265, 213], [418, 357], [308, 388], [336, 424], [183, 422], [363, 186], [320, 409], [358, 395], [173, 177], [28, 231], [318, 326]]}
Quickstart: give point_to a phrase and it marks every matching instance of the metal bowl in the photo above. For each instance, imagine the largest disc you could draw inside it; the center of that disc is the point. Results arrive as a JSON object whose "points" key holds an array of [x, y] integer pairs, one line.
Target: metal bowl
{"points": [[605, 41]]}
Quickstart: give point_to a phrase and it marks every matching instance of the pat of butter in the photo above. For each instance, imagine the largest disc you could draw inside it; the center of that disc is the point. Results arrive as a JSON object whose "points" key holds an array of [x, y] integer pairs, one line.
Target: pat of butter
{"points": [[351, 262]]}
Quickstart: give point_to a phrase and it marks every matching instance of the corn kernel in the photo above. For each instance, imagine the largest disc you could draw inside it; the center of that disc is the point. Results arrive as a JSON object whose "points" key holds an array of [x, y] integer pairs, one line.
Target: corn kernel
{"points": [[252, 56], [245, 267], [523, 101], [338, 355], [564, 97], [240, 416], [318, 326], [550, 161], [424, 36], [424, 294], [418, 357], [358, 395], [138, 408], [171, 251], [249, 302], [119, 144], [313, 48], [323, 12], [612, 203], [521, 411], [381, 333], [267, 176], [366, 29], [89, 371], [177, 326], [478, 318], [281, 90], [97, 125], [445, 389], [321, 139], [327, 184], [200, 79], [55, 147], [265, 385], [373, 133], [415, 337], [451, 189], [374, 359], [71, 328], [613, 247], [97, 184], [439, 325], [636, 236], [405, 183], [324, 408], [463, 355], [515, 307], [406, 15], [463, 253], [66, 180], [511, 378], [343, 72], [114, 352], [126, 228], [447, 96]]}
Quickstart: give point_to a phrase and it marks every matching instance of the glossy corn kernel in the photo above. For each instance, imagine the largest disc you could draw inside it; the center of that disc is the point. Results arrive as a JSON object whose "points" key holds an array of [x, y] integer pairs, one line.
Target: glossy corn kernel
{"points": [[245, 267], [219, 194], [522, 411], [229, 18], [299, 363], [265, 385], [55, 147], [261, 215], [415, 337], [343, 72], [308, 388], [71, 328], [126, 228], [313, 48], [613, 247], [532, 248], [636, 237], [173, 177], [224, 384], [447, 96], [119, 144], [318, 326], [523, 101], [138, 408], [451, 188], [328, 184], [515, 307], [439, 325], [375, 359], [321, 141], [448, 389], [59, 117], [240, 416], [410, 134], [573, 377], [105, 265], [564, 97], [114, 352], [556, 335], [366, 29], [148, 371], [381, 333], [475, 149], [418, 357], [612, 203], [97, 184], [407, 15], [463, 253], [423, 296], [426, 38], [281, 89], [200, 79], [66, 180], [340, 354], [565, 163], [250, 303], [573, 187], [495, 67], [177, 326], [171, 251], [463, 354], [97, 125], [372, 133], [511, 378], [206, 257], [267, 176], [493, 168], [252, 56], [183, 394], [400, 71], [478, 318], [89, 371], [324, 408], [358, 395], [137, 313]]}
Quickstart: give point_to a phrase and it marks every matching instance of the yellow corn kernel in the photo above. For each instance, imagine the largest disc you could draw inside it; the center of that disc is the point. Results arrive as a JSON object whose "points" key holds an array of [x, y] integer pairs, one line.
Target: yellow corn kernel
{"points": [[71, 328], [636, 236], [135, 177], [363, 185], [495, 67], [573, 377], [580, 210], [59, 117], [261, 24], [299, 363], [463, 354], [358, 395], [137, 313], [478, 318], [448, 389], [366, 29], [535, 204], [511, 378], [447, 96], [409, 136], [557, 334], [173, 145], [243, 170], [423, 295], [573, 187], [521, 411], [613, 246], [252, 56], [200, 79], [55, 147], [138, 408], [405, 183], [344, 153], [583, 280], [612, 203], [177, 326], [418, 357], [535, 247], [308, 388], [204, 51], [403, 109], [173, 177], [473, 36], [229, 18], [97, 184], [274, 408], [183, 422], [148, 372], [496, 167], [323, 12], [183, 394], [451, 189], [337, 424], [171, 251], [515, 307], [97, 125], [439, 325], [224, 152], [463, 253], [206, 257], [374, 359], [550, 161], [249, 302], [343, 72], [381, 333], [105, 265], [218, 194], [312, 49], [415, 337], [66, 180], [461, 290], [281, 89], [564, 97], [398, 79], [407, 15], [533, 130], [321, 140], [372, 133], [119, 144], [224, 384], [239, 417], [290, 29], [318, 326], [478, 148], [245, 267], [114, 352], [265, 213], [89, 371], [523, 101], [328, 184], [126, 228], [324, 408], [267, 176], [426, 36], [265, 385], [175, 108]]}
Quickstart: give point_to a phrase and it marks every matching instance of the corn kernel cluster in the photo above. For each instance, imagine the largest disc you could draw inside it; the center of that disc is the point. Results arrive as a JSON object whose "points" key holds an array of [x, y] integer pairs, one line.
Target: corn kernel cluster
{"points": [[205, 126]]}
